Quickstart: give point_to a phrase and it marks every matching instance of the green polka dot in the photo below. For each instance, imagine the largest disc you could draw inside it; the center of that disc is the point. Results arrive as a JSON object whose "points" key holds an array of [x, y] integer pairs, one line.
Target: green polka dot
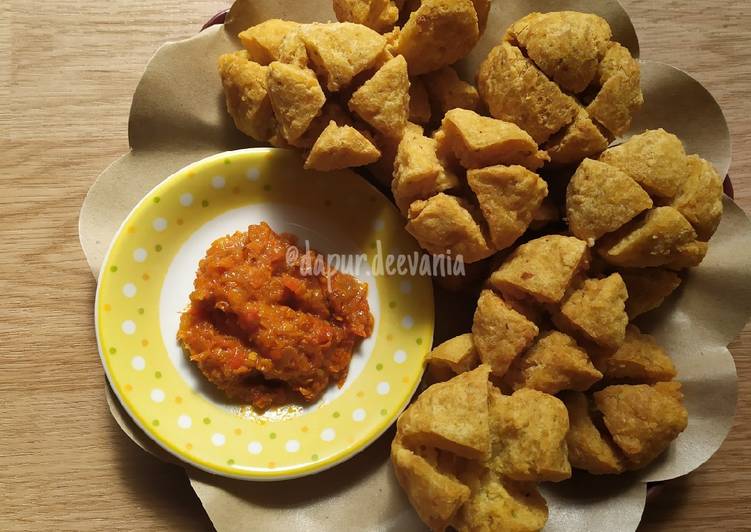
{"points": [[379, 367], [392, 304], [384, 411], [158, 374], [314, 457], [272, 435], [230, 462], [336, 415], [419, 341], [155, 422], [141, 310], [227, 161], [113, 350], [158, 248], [113, 269], [206, 421], [157, 199], [267, 188], [205, 203]]}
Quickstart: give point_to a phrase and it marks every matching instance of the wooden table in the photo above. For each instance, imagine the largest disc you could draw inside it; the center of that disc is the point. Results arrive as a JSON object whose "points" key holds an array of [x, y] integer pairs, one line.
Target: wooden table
{"points": [[67, 73]]}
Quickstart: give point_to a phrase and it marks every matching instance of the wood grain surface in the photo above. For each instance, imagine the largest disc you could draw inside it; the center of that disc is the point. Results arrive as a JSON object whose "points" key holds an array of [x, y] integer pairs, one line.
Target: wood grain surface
{"points": [[67, 73]]}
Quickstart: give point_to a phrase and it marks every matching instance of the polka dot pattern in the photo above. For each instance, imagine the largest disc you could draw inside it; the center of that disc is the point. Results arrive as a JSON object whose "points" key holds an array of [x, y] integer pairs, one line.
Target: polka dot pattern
{"points": [[184, 421], [129, 327], [129, 290], [328, 434], [157, 395], [160, 224], [154, 391], [138, 363]]}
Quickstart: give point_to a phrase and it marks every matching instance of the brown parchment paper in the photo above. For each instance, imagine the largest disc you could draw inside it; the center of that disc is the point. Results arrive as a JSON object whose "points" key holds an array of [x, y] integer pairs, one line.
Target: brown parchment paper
{"points": [[178, 117]]}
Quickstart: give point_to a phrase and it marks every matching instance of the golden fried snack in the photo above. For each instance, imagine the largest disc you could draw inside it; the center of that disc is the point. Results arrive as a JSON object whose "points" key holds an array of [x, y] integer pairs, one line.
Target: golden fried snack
{"points": [[642, 420], [639, 359], [499, 332], [452, 416], [500, 504], [588, 448], [673, 389], [479, 141], [655, 159], [419, 102], [330, 111], [527, 307], [264, 40], [437, 34], [435, 496], [554, 363], [596, 309], [296, 98], [516, 91], [508, 196], [452, 357], [542, 268], [292, 49], [566, 45], [579, 140], [379, 15], [600, 199], [246, 95], [620, 95], [699, 197], [648, 288], [340, 51], [341, 147], [663, 237], [447, 91], [528, 436], [418, 174], [444, 224], [383, 100]]}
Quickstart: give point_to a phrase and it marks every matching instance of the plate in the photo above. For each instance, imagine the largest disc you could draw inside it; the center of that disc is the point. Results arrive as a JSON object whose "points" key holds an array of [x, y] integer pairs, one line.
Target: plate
{"points": [[148, 274]]}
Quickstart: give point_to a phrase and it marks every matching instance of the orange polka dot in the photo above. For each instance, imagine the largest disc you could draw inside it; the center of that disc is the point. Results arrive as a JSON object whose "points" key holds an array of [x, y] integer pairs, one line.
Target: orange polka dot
{"points": [[389, 337], [179, 221], [304, 429], [405, 380], [189, 446], [144, 342], [145, 277], [361, 394], [236, 190], [272, 465], [107, 308], [178, 399], [238, 432], [128, 388], [131, 229]]}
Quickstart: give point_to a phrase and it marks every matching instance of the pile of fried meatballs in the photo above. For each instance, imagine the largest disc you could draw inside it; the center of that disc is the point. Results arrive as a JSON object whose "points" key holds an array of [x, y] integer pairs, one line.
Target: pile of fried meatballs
{"points": [[554, 375]]}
